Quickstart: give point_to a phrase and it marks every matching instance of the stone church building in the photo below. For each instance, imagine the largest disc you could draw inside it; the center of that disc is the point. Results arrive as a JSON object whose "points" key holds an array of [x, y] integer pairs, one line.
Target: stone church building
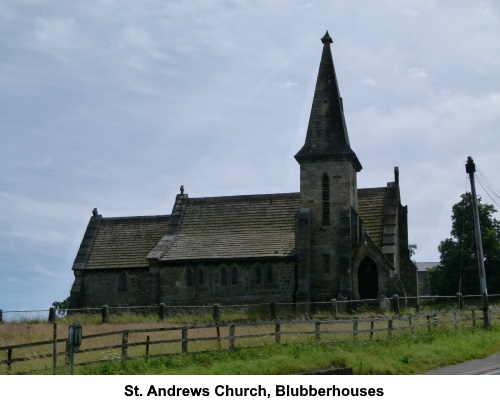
{"points": [[328, 240]]}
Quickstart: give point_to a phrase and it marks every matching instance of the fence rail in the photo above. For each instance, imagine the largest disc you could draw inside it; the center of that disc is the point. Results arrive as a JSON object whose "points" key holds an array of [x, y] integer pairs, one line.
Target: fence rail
{"points": [[270, 310], [166, 341]]}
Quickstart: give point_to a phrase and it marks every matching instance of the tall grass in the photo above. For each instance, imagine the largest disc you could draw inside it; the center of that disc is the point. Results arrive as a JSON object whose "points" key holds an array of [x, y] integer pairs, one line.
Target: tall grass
{"points": [[405, 353]]}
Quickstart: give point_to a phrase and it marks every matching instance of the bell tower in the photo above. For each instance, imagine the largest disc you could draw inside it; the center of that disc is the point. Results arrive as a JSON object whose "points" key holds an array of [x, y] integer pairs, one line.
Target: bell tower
{"points": [[328, 191]]}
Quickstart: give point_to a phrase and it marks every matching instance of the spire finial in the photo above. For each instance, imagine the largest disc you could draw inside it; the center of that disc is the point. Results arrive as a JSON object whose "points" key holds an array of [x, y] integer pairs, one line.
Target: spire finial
{"points": [[327, 39]]}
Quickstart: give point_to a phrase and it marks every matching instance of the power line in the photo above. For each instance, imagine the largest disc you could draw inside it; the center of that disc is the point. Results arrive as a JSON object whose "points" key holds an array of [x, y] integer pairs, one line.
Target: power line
{"points": [[484, 175], [488, 188], [485, 188]]}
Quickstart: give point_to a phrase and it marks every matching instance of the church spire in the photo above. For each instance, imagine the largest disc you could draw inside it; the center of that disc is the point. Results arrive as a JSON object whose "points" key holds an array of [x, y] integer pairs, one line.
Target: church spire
{"points": [[327, 137]]}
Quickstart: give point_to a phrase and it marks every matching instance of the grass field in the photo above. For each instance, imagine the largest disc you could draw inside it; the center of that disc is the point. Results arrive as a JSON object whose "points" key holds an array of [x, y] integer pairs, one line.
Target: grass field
{"points": [[405, 353]]}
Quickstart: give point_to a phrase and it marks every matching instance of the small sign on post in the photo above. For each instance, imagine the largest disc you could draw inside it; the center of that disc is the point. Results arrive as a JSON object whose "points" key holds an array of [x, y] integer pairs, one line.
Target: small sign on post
{"points": [[75, 335]]}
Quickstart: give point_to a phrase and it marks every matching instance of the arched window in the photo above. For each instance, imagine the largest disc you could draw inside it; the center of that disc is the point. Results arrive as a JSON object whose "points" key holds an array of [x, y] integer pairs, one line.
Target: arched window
{"points": [[258, 275], [326, 200], [269, 275], [367, 279], [123, 282], [326, 263], [189, 277], [234, 276], [223, 276]]}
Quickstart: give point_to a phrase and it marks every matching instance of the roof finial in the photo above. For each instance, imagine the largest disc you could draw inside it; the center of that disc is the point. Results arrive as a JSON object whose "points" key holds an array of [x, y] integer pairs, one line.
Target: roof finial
{"points": [[94, 212], [182, 190], [327, 39]]}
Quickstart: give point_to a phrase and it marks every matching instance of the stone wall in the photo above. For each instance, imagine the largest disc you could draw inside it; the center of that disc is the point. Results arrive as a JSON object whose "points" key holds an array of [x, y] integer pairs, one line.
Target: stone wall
{"points": [[199, 284], [226, 283], [121, 287], [330, 256]]}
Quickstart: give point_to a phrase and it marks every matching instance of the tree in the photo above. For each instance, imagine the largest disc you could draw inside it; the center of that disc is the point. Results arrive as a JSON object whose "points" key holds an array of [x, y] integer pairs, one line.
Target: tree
{"points": [[458, 269], [61, 307], [412, 248]]}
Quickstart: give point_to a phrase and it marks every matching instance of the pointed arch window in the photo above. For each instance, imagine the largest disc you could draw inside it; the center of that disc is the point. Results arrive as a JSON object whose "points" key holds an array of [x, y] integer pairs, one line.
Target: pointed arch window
{"points": [[269, 275], [258, 275], [123, 282], [201, 278], [326, 263], [223, 276], [234, 276], [189, 277], [325, 189]]}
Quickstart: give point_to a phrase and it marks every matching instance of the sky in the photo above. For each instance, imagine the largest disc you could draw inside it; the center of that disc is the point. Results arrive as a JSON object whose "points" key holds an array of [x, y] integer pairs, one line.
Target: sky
{"points": [[114, 104]]}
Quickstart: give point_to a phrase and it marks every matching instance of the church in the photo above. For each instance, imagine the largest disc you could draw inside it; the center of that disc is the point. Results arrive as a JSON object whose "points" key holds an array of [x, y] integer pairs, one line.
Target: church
{"points": [[328, 240]]}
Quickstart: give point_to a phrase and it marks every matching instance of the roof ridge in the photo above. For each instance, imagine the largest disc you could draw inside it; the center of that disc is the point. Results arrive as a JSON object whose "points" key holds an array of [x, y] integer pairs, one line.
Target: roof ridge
{"points": [[243, 197], [137, 216], [372, 188]]}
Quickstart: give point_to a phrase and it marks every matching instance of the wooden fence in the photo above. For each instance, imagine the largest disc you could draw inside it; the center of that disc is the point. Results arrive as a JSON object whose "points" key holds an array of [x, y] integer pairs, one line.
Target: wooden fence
{"points": [[166, 341], [270, 310]]}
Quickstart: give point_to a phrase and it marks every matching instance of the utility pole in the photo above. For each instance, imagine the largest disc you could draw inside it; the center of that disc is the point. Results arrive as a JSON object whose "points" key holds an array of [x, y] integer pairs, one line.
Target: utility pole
{"points": [[470, 168]]}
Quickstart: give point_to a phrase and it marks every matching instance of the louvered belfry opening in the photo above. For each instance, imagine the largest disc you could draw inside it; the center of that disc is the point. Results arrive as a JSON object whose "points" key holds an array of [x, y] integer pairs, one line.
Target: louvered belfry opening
{"points": [[326, 200]]}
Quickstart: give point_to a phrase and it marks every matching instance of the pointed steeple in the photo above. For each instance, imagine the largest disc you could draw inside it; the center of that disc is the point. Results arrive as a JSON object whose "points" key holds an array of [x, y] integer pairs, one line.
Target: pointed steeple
{"points": [[327, 137]]}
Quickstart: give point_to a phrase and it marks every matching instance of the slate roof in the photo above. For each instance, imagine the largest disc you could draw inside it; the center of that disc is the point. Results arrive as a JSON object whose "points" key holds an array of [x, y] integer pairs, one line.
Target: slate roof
{"points": [[424, 266], [121, 242], [371, 206], [250, 226]]}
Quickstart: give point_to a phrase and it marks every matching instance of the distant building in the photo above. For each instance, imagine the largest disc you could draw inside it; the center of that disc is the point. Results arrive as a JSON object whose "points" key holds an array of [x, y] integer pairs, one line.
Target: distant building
{"points": [[328, 240], [424, 288]]}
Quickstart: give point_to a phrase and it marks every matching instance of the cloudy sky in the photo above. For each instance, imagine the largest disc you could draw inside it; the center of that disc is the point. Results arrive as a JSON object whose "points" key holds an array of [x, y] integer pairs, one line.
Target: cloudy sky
{"points": [[115, 103]]}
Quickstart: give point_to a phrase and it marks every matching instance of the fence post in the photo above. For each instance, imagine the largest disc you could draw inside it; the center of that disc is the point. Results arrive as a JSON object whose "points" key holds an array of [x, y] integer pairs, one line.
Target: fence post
{"points": [[317, 330], [334, 308], [389, 328], [460, 301], [124, 345], [372, 324], [1, 316], [487, 317], [148, 339], [231, 336], [435, 320], [216, 319], [162, 311], [395, 304], [355, 330], [277, 332], [273, 310], [184, 339], [54, 349], [412, 327], [216, 315], [428, 323], [52, 314], [9, 359], [105, 314], [474, 318]]}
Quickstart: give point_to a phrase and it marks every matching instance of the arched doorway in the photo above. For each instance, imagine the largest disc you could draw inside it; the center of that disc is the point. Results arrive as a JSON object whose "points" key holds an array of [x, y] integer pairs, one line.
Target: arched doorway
{"points": [[367, 279]]}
